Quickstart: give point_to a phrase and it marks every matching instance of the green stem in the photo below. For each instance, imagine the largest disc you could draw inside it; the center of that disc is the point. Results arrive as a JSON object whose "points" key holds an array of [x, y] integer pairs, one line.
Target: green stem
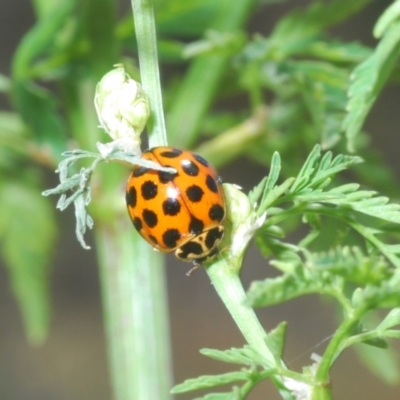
{"points": [[82, 117], [145, 29], [132, 280], [229, 287], [230, 144], [322, 388], [321, 393], [132, 273], [200, 83], [136, 317]]}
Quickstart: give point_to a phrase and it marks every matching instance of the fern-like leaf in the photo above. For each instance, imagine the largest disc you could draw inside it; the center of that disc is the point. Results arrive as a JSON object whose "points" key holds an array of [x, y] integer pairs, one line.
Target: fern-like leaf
{"points": [[391, 320], [351, 263], [209, 381], [294, 32], [291, 285], [317, 173], [245, 355], [369, 77]]}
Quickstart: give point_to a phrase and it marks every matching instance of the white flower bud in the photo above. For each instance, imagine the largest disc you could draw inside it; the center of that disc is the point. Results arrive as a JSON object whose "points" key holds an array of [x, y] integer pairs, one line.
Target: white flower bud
{"points": [[244, 220], [122, 108], [300, 390]]}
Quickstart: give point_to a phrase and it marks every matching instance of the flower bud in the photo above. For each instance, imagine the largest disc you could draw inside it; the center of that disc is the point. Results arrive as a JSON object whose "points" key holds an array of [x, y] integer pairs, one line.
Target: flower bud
{"points": [[243, 218], [122, 107]]}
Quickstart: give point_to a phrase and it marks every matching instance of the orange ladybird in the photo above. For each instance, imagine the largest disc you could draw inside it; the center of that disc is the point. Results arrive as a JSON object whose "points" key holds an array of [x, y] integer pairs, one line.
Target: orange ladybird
{"points": [[180, 211]]}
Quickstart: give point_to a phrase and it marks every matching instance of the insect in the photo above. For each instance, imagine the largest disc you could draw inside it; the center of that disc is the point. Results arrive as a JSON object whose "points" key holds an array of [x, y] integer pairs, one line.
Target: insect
{"points": [[181, 212]]}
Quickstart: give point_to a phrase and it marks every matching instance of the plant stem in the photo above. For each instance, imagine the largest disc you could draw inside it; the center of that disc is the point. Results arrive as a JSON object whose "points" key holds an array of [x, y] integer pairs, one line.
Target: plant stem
{"points": [[196, 91], [135, 314], [322, 389], [133, 274], [132, 280], [145, 29], [229, 287], [230, 144], [321, 393]]}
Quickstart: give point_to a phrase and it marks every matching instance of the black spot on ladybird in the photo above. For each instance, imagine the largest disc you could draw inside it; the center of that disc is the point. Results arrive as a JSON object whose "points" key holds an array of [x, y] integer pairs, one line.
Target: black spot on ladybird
{"points": [[166, 177], [196, 226], [214, 235], [211, 184], [131, 197], [194, 193], [209, 255], [189, 168], [149, 190], [150, 218], [190, 248], [170, 237], [137, 223], [171, 206], [201, 160], [171, 153], [153, 239], [216, 212]]}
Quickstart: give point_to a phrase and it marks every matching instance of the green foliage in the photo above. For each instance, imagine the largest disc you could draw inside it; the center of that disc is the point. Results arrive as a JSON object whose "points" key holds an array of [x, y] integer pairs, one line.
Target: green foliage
{"points": [[369, 77], [320, 77], [27, 226], [300, 28], [201, 80], [251, 375], [36, 105], [206, 382], [383, 364], [315, 92], [246, 355], [27, 234], [360, 279]]}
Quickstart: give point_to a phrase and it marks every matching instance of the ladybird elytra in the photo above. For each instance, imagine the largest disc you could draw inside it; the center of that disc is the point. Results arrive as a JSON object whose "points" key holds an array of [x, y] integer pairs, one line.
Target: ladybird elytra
{"points": [[181, 212]]}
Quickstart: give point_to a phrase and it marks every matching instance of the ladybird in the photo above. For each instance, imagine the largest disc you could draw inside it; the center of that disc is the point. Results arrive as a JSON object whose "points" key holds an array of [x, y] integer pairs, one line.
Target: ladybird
{"points": [[182, 211]]}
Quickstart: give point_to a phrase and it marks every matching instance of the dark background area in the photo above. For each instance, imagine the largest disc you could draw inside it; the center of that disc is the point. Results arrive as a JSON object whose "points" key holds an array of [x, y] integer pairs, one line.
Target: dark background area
{"points": [[72, 364]]}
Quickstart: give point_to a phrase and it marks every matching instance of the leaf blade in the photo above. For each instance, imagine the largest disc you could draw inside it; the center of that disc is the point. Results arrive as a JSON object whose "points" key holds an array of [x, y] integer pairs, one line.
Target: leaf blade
{"points": [[27, 243]]}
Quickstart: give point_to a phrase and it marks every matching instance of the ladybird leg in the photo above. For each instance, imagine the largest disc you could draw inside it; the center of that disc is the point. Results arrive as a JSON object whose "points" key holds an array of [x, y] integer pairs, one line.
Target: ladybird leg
{"points": [[196, 265]]}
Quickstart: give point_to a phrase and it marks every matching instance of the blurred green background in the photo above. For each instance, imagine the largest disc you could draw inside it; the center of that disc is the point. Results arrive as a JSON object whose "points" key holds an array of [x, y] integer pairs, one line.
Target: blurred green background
{"points": [[72, 363]]}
